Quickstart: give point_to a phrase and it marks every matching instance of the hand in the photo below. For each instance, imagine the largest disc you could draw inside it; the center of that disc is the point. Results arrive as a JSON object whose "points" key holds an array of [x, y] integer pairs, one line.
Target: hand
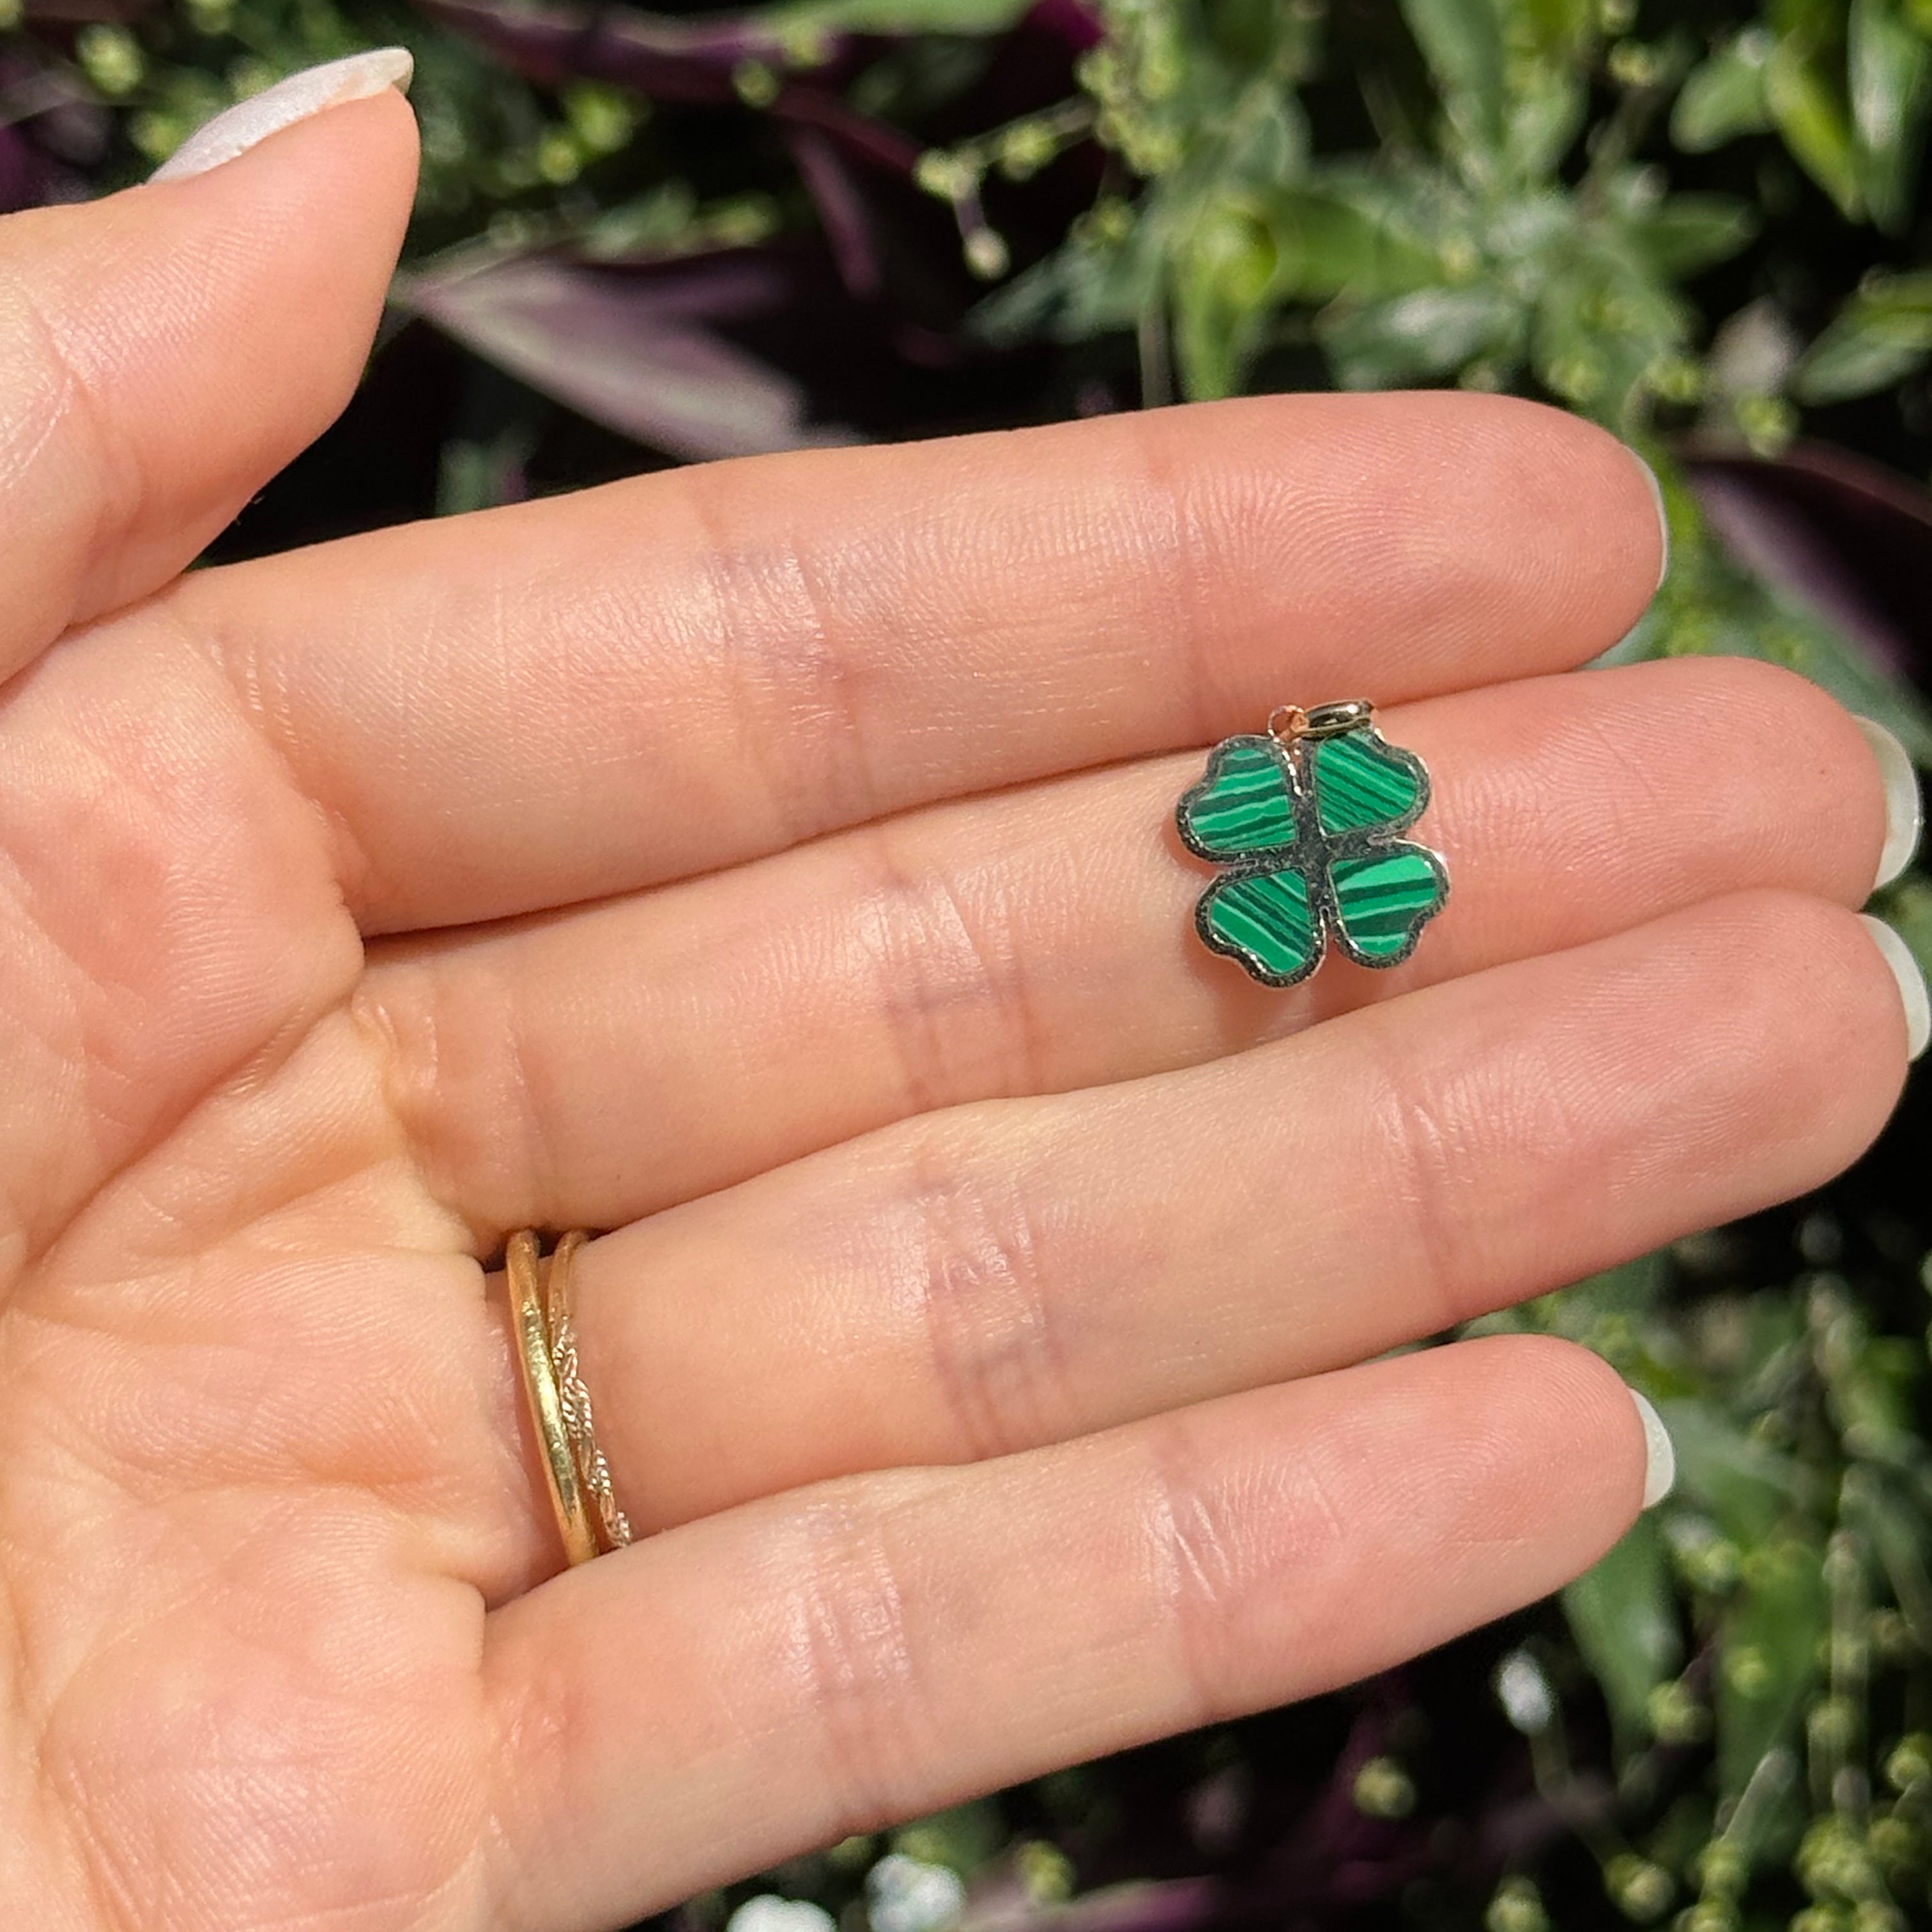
{"points": [[773, 863]]}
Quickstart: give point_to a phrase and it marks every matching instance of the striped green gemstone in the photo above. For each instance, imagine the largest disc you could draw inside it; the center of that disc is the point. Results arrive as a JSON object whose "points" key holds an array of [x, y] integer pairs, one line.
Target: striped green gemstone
{"points": [[1361, 783], [1264, 917], [1243, 806], [1383, 900]]}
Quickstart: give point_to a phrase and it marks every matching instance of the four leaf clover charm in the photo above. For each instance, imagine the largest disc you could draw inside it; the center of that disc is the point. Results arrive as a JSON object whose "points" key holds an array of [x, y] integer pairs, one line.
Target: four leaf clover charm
{"points": [[1304, 818]]}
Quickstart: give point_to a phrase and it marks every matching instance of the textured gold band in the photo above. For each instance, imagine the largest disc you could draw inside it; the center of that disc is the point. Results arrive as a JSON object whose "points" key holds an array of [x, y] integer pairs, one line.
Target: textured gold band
{"points": [[538, 1368], [594, 1471]]}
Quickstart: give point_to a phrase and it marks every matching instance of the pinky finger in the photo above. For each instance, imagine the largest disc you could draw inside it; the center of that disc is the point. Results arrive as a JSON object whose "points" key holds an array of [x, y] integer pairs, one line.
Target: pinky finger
{"points": [[771, 1678]]}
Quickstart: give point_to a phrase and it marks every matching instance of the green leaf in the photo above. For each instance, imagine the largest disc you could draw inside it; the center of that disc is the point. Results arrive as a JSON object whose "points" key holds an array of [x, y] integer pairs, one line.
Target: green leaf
{"points": [[1462, 42], [1773, 1631], [1623, 1615], [1689, 233], [1266, 145], [1807, 110], [1746, 1487], [1879, 337], [1222, 286], [1547, 109], [1559, 30], [1887, 65], [1432, 332], [1723, 97], [1092, 285], [1332, 244]]}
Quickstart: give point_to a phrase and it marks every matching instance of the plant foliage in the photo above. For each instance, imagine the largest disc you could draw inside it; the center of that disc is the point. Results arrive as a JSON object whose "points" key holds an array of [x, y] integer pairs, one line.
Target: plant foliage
{"points": [[1701, 225]]}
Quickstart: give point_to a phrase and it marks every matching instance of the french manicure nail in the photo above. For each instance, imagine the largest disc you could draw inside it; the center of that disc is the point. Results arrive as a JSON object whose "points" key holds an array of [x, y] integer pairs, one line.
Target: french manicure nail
{"points": [[1660, 1466], [1904, 812], [1911, 984], [1656, 489], [237, 129]]}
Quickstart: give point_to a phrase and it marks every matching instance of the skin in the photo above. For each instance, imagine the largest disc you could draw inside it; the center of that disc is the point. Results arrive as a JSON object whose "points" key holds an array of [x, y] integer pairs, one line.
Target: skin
{"points": [[771, 865]]}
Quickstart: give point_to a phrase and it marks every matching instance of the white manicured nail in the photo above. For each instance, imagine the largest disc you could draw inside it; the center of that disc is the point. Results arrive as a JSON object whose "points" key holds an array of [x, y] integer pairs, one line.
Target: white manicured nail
{"points": [[1911, 984], [1656, 489], [1904, 814], [1660, 1465], [237, 129]]}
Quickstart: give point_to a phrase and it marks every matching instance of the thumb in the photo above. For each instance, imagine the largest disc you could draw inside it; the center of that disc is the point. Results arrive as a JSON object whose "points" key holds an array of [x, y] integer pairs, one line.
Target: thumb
{"points": [[164, 351]]}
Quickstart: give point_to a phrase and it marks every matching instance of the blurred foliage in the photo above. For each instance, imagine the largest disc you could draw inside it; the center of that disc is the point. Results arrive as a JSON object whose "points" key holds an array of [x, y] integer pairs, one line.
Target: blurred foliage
{"points": [[1701, 225]]}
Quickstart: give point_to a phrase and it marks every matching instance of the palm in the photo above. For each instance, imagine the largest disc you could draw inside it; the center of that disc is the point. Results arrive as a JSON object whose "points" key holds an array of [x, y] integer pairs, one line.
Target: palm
{"points": [[255, 1452], [594, 865]]}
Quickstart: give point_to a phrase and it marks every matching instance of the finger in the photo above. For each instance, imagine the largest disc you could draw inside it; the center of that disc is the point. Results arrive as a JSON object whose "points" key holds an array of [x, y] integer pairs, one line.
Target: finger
{"points": [[587, 1070], [826, 1662], [565, 699], [983, 1281], [164, 352]]}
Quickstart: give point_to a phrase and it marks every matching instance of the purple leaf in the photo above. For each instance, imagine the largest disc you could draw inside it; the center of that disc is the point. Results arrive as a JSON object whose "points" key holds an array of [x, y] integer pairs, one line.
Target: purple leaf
{"points": [[841, 212], [1850, 539], [670, 59], [636, 352]]}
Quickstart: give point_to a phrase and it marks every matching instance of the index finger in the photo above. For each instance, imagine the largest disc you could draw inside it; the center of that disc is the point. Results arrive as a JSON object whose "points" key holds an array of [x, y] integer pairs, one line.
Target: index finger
{"points": [[551, 703]]}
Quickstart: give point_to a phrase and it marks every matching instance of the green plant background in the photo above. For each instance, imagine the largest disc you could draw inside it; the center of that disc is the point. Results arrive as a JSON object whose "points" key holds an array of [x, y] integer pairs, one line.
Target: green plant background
{"points": [[1702, 221]]}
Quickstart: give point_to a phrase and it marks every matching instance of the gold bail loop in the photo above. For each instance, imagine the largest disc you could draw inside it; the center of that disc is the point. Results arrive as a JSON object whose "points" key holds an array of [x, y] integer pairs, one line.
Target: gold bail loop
{"points": [[1287, 722]]}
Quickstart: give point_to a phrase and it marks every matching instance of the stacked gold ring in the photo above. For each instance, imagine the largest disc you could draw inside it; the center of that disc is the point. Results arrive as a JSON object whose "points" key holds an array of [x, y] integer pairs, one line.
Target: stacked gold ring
{"points": [[575, 1473]]}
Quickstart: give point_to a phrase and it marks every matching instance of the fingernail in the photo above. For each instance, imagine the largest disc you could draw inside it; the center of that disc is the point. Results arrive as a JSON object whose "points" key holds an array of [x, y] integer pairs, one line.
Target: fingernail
{"points": [[1904, 814], [1911, 984], [237, 129], [1660, 1463], [1656, 489]]}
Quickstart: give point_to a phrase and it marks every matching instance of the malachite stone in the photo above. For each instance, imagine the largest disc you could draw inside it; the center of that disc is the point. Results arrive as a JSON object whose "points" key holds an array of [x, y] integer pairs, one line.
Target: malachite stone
{"points": [[1363, 784], [1306, 830], [1244, 806], [1384, 898], [1265, 920]]}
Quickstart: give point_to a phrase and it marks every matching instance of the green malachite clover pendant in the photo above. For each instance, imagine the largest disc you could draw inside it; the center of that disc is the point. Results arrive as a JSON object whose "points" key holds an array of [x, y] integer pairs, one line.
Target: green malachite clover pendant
{"points": [[1304, 817]]}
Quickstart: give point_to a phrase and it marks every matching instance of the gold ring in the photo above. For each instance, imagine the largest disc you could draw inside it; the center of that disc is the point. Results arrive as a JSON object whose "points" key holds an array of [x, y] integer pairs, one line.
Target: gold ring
{"points": [[578, 1423], [539, 1371]]}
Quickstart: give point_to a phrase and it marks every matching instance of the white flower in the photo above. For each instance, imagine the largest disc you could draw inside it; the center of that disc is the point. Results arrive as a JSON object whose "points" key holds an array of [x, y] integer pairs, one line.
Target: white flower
{"points": [[903, 1895], [1524, 1693], [768, 1912]]}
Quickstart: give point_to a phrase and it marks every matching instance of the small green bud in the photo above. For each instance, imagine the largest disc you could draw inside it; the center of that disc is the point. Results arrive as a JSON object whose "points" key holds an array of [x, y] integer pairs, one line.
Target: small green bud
{"points": [[1045, 1871], [156, 135], [1708, 1915], [1832, 1727], [250, 75], [1383, 1790], [601, 118], [1820, 1918], [1638, 1888], [1895, 1842], [111, 57], [1876, 1915], [1910, 1763], [1025, 150], [1631, 64], [987, 254], [1676, 1716], [559, 160], [1723, 1870], [754, 83], [1748, 1670], [1516, 1906], [942, 173]]}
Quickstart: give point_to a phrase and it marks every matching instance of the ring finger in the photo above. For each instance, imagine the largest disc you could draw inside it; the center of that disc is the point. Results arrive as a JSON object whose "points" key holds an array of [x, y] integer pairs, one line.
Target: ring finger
{"points": [[1015, 1273]]}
